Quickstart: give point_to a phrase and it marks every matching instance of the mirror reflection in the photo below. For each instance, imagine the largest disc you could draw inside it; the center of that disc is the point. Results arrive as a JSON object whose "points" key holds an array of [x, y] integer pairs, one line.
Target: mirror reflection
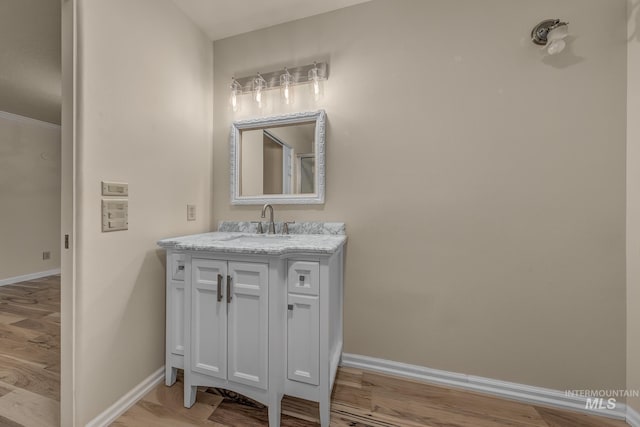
{"points": [[278, 160]]}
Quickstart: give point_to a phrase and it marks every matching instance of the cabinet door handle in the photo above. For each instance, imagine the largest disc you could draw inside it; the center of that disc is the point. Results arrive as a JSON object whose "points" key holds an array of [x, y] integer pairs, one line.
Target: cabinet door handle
{"points": [[228, 289], [219, 287]]}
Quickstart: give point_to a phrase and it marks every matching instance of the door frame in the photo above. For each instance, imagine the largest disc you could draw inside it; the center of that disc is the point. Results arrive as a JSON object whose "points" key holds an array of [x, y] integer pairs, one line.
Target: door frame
{"points": [[68, 304], [287, 166]]}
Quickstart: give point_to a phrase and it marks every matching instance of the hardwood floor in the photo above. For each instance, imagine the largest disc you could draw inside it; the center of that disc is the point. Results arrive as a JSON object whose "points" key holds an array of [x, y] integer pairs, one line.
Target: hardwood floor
{"points": [[30, 353], [30, 387], [360, 399]]}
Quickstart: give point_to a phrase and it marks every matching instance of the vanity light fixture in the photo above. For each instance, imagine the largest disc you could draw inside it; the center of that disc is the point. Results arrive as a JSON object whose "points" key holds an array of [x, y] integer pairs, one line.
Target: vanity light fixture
{"points": [[236, 91], [551, 33], [259, 85], [286, 91], [285, 79]]}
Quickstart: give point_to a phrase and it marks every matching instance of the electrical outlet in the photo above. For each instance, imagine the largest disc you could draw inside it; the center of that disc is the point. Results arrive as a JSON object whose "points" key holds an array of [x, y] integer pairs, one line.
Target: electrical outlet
{"points": [[191, 212], [46, 255]]}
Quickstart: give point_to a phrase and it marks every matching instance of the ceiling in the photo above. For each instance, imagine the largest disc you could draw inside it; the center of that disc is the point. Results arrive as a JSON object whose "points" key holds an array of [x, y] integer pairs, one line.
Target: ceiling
{"points": [[30, 82], [224, 18], [30, 75]]}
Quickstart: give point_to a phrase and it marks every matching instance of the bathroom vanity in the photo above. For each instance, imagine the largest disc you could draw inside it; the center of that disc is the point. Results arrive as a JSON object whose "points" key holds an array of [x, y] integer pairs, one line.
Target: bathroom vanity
{"points": [[257, 314]]}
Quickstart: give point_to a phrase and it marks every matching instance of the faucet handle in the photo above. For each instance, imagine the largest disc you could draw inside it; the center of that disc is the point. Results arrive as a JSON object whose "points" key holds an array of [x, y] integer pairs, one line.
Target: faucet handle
{"points": [[259, 230], [285, 226]]}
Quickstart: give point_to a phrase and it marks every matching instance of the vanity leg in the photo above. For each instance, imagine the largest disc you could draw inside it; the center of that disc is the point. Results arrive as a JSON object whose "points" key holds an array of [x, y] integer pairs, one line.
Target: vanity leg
{"points": [[170, 374], [274, 412], [189, 395], [325, 410]]}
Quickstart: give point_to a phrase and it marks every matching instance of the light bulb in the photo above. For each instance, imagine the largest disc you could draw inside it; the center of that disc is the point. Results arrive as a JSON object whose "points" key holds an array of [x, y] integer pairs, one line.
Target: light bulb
{"points": [[259, 97], [314, 78], [316, 89], [555, 39], [236, 91], [234, 101], [556, 46], [286, 91], [259, 84]]}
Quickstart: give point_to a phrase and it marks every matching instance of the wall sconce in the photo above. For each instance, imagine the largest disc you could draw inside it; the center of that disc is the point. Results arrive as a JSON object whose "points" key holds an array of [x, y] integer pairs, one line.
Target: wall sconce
{"points": [[551, 34], [285, 79], [236, 91], [286, 92]]}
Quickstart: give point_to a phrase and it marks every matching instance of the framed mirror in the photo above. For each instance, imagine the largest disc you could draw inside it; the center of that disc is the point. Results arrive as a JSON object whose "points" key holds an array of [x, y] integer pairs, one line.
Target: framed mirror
{"points": [[278, 160]]}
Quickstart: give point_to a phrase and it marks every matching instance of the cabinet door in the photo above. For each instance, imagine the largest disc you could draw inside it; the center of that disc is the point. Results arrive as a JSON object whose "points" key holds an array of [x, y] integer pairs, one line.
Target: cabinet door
{"points": [[303, 339], [248, 324], [176, 318], [208, 318]]}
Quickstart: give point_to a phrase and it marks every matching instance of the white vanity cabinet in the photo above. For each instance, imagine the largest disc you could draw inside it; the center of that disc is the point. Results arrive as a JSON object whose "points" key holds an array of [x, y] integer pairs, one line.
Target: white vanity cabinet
{"points": [[262, 325]]}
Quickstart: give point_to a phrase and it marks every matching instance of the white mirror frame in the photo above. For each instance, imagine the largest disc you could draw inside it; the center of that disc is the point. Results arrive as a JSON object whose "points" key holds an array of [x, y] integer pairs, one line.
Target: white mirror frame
{"points": [[282, 199]]}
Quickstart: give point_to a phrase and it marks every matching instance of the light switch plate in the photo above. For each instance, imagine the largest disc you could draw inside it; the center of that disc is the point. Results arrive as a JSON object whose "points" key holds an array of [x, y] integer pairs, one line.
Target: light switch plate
{"points": [[191, 212], [115, 215], [115, 189]]}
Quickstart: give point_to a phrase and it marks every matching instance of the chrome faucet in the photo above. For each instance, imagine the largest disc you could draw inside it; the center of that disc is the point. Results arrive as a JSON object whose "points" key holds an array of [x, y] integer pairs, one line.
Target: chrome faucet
{"points": [[272, 225]]}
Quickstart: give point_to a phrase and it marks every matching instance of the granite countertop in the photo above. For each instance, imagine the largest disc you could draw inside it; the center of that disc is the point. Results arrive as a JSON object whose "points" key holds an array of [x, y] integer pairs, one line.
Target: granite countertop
{"points": [[240, 238]]}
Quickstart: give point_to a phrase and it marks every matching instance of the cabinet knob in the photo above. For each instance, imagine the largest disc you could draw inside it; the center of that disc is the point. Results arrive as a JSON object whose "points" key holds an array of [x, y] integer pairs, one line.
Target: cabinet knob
{"points": [[290, 307], [228, 289], [219, 287]]}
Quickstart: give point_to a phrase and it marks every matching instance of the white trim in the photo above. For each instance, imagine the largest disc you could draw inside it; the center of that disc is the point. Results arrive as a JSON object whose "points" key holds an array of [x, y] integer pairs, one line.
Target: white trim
{"points": [[633, 417], [69, 141], [128, 400], [27, 277], [28, 120], [508, 390]]}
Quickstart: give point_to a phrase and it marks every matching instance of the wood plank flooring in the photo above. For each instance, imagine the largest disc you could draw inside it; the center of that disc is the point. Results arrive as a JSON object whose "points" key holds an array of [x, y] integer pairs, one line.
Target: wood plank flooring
{"points": [[30, 387], [30, 353], [360, 399]]}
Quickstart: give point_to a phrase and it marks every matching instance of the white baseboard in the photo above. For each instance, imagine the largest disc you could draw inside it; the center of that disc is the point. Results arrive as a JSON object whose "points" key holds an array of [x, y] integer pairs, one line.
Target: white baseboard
{"points": [[27, 277], [128, 400], [504, 389], [633, 417]]}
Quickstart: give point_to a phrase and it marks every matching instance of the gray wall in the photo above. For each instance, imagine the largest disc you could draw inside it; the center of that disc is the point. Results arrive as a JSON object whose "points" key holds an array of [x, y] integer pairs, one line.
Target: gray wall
{"points": [[483, 185], [30, 87], [29, 196], [30, 64]]}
